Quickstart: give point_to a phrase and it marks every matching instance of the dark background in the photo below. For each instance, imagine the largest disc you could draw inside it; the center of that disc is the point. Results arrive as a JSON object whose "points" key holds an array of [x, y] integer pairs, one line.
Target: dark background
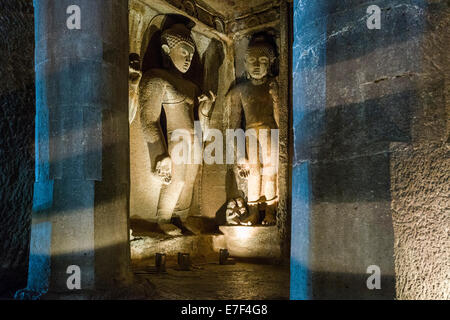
{"points": [[17, 104]]}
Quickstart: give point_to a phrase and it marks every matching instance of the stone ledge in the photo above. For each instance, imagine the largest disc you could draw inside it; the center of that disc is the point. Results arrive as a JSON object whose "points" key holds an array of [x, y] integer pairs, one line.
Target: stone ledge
{"points": [[252, 241], [198, 246]]}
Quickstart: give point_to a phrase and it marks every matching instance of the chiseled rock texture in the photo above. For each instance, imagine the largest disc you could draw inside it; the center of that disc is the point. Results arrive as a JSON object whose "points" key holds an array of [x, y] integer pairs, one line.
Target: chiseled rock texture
{"points": [[420, 172], [421, 213], [17, 105]]}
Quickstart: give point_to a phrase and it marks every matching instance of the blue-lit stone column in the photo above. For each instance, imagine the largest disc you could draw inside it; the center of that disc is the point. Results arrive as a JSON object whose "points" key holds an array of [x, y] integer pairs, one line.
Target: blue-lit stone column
{"points": [[309, 94], [80, 205]]}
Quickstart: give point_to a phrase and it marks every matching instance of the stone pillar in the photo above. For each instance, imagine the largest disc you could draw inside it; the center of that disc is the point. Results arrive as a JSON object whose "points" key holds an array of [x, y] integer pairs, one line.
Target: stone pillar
{"points": [[344, 122], [420, 167], [81, 193], [370, 132]]}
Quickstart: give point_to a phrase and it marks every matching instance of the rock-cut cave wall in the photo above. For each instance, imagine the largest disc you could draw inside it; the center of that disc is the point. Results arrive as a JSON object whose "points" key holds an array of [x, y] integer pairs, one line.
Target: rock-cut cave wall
{"points": [[17, 104]]}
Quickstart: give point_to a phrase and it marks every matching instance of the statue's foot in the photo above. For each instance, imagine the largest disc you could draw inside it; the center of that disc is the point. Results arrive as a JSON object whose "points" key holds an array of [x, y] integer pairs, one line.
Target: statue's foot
{"points": [[252, 218], [170, 229], [270, 216]]}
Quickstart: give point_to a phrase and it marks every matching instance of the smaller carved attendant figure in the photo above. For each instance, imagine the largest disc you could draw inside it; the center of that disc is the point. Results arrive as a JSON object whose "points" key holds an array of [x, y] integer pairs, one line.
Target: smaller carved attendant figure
{"points": [[232, 213], [236, 209]]}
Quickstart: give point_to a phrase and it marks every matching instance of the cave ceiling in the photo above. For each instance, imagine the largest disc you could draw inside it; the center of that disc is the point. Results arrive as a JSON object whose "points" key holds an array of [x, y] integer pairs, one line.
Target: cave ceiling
{"points": [[230, 9], [228, 17]]}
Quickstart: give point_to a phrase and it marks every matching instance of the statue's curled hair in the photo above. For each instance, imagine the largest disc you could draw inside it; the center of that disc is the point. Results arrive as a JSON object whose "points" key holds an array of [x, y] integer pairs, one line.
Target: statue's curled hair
{"points": [[175, 35]]}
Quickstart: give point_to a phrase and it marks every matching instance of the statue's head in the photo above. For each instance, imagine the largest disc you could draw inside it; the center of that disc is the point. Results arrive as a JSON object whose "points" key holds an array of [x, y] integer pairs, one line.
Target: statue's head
{"points": [[259, 58], [240, 202], [231, 204], [177, 44]]}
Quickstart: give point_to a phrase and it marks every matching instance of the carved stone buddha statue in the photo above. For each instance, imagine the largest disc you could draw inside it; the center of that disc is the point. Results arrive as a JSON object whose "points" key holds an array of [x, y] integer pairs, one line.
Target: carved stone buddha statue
{"points": [[167, 89], [257, 98]]}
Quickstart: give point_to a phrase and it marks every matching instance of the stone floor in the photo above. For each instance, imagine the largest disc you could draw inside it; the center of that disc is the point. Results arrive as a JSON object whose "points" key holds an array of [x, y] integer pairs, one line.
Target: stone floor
{"points": [[212, 281]]}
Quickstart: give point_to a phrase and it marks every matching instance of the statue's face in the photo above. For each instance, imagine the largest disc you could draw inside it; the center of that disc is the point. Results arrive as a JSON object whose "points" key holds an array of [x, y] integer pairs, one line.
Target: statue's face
{"points": [[231, 205], [257, 64], [181, 56]]}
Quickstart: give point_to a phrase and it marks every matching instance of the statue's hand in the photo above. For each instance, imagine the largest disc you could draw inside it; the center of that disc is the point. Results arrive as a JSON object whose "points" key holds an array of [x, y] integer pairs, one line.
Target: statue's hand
{"points": [[164, 170], [207, 101], [274, 91]]}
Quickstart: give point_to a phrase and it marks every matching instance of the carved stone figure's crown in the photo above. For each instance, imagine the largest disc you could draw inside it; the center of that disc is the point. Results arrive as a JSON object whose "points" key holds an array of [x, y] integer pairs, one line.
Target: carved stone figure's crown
{"points": [[177, 34], [260, 45]]}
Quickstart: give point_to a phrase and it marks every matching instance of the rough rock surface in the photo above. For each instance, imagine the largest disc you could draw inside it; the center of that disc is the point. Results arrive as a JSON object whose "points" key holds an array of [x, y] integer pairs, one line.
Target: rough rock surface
{"points": [[421, 213], [17, 105]]}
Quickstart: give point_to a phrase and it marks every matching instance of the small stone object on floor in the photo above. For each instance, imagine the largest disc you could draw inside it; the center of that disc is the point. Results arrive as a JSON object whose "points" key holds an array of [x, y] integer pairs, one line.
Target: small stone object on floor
{"points": [[184, 261], [224, 257], [160, 262]]}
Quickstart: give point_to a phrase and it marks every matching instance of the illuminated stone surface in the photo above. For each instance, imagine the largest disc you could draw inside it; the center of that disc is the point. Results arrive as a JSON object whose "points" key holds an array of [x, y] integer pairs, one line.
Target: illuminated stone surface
{"points": [[252, 242], [241, 241], [216, 67], [199, 246]]}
